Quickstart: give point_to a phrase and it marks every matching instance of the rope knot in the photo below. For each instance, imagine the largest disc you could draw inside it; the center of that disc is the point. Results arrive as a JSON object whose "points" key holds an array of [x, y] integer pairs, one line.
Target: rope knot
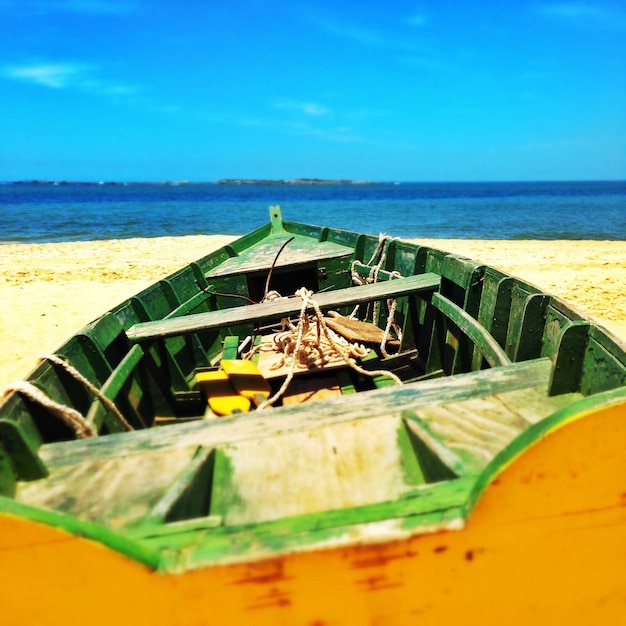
{"points": [[311, 343]]}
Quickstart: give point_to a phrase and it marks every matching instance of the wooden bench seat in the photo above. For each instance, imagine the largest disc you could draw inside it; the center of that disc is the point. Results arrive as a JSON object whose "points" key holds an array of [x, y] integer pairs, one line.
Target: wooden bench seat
{"points": [[395, 400], [255, 313], [463, 420]]}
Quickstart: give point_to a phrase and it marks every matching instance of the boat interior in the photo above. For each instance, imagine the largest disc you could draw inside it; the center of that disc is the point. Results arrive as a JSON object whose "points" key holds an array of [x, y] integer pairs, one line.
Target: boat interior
{"points": [[482, 357]]}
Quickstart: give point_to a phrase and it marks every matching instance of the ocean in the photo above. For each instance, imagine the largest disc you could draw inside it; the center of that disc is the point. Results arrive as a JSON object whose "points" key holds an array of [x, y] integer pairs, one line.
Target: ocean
{"points": [[51, 212]]}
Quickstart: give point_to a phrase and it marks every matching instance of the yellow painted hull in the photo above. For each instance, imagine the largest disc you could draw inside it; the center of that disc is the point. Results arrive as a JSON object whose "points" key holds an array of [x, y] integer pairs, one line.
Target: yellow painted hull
{"points": [[545, 544]]}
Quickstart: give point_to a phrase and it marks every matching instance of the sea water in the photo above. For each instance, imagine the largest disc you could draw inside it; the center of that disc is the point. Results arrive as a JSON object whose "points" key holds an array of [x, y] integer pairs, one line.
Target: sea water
{"points": [[49, 212]]}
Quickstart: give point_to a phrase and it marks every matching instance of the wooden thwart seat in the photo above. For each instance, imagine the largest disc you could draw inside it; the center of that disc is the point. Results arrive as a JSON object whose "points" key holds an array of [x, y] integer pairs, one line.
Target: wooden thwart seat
{"points": [[394, 400], [177, 326]]}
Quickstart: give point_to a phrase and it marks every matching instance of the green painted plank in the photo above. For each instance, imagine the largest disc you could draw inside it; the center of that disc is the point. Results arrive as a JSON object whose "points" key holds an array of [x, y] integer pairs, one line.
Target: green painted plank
{"points": [[410, 463], [262, 255], [117, 492], [535, 433], [366, 270], [255, 313], [18, 456], [386, 401], [495, 306], [181, 499], [602, 368], [113, 385], [478, 428], [426, 506], [189, 305], [525, 333], [139, 552], [569, 358], [487, 345], [231, 348], [225, 498]]}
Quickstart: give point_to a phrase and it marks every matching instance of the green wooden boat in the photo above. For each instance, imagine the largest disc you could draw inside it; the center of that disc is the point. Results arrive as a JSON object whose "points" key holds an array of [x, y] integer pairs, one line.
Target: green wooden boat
{"points": [[409, 434]]}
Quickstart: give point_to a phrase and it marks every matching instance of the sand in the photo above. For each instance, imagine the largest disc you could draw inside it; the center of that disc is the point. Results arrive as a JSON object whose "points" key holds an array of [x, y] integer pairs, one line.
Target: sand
{"points": [[49, 291]]}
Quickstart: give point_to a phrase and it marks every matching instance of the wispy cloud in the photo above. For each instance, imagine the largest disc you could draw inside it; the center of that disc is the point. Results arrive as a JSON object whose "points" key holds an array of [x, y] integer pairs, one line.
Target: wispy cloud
{"points": [[309, 122], [56, 76], [306, 108], [76, 76], [350, 31], [337, 134], [405, 43], [583, 15]]}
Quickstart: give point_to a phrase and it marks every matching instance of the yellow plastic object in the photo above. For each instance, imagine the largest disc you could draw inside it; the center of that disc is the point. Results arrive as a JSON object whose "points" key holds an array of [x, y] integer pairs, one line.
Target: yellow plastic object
{"points": [[222, 398], [247, 380]]}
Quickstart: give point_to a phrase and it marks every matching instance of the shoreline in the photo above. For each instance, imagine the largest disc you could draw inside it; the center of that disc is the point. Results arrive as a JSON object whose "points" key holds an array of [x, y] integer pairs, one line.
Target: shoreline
{"points": [[49, 291]]}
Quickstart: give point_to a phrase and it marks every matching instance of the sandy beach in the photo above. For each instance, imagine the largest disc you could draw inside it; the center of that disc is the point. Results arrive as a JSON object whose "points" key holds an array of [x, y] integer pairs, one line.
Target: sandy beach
{"points": [[49, 291]]}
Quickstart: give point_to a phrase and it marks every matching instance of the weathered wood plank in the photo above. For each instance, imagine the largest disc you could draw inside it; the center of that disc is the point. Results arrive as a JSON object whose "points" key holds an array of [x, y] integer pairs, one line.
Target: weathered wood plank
{"points": [[180, 492], [311, 389], [334, 467], [118, 378], [299, 250], [359, 331], [433, 507], [481, 427], [495, 306], [281, 308], [189, 305], [481, 338], [569, 357], [390, 401], [115, 491], [527, 318]]}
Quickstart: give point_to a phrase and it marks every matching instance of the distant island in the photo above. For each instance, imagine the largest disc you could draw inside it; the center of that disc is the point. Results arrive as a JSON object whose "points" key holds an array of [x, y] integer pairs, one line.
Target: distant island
{"points": [[223, 181], [295, 181]]}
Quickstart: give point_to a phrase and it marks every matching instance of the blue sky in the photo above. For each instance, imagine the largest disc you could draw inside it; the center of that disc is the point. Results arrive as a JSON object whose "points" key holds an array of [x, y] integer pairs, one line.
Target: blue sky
{"points": [[450, 90]]}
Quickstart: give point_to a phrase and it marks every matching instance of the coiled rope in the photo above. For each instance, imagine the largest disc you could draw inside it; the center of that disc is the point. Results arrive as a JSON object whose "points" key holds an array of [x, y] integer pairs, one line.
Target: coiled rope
{"points": [[73, 418], [72, 371], [304, 344], [82, 427], [375, 264]]}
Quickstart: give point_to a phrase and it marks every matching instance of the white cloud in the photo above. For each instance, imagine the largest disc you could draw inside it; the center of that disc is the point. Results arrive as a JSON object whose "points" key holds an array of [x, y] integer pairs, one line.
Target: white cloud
{"points": [[338, 134], [76, 76], [307, 108], [56, 76]]}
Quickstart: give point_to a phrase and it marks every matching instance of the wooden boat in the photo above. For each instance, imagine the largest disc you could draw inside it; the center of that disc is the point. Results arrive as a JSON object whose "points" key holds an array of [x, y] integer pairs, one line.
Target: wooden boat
{"points": [[491, 481]]}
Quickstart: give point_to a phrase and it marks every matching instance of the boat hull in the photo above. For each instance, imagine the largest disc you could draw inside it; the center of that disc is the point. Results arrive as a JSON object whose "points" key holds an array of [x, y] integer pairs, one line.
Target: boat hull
{"points": [[488, 483], [545, 544]]}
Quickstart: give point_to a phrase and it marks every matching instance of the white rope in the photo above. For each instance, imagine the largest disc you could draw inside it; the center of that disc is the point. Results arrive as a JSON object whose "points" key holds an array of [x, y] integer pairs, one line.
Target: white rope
{"points": [[391, 304], [75, 420], [374, 270], [380, 253], [270, 401], [342, 351], [72, 371], [271, 296], [383, 247]]}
